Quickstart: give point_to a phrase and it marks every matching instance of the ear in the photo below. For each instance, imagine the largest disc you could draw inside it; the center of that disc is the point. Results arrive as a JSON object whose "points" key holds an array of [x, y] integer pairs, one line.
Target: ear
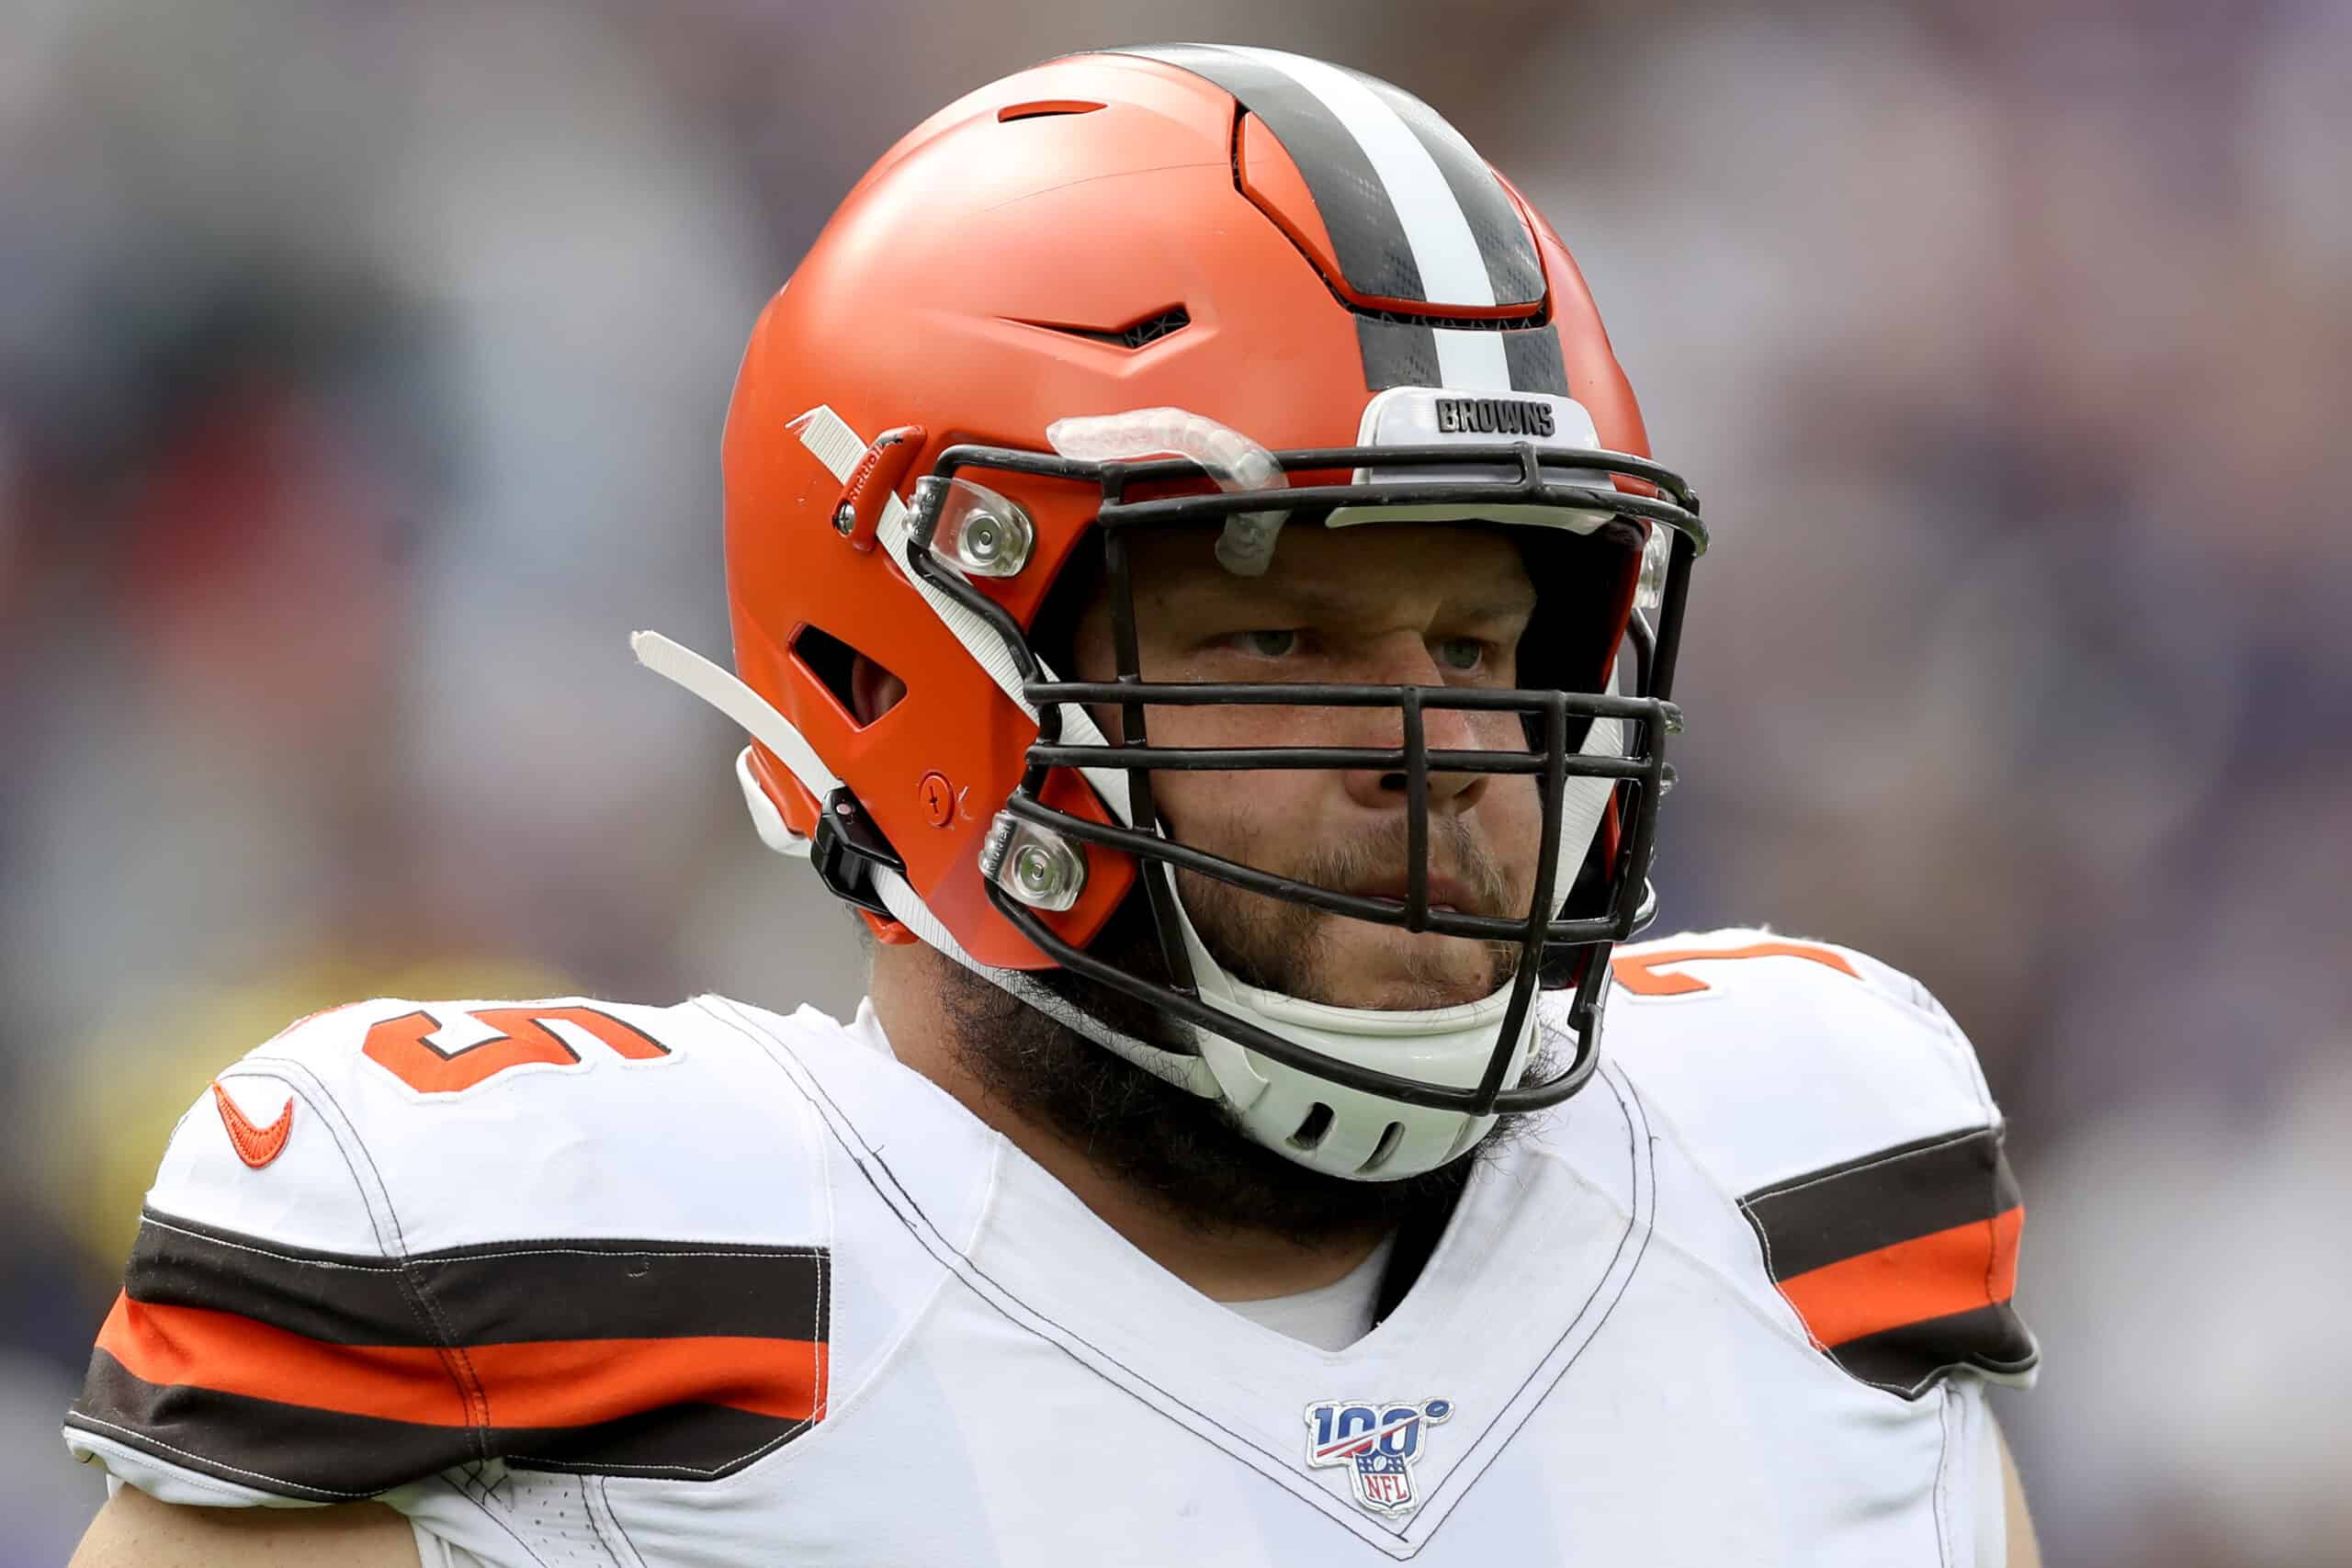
{"points": [[873, 691]]}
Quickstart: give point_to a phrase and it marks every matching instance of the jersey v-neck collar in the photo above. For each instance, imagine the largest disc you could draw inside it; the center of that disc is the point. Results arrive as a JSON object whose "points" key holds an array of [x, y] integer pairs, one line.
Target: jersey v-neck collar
{"points": [[1341, 1311], [1544, 1240]]}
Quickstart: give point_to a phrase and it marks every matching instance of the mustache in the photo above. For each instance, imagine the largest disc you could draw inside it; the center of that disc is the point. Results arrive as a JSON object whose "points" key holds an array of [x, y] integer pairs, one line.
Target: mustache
{"points": [[1376, 863], [1277, 945]]}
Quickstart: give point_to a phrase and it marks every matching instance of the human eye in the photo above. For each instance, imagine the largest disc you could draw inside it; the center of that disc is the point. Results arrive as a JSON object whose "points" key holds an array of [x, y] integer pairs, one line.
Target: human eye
{"points": [[1266, 642], [1462, 655]]}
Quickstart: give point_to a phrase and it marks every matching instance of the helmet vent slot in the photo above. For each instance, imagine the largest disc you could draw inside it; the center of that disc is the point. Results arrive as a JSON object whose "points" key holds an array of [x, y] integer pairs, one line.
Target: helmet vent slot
{"points": [[1043, 108], [1153, 329], [1313, 1129], [1135, 334], [1389, 1139]]}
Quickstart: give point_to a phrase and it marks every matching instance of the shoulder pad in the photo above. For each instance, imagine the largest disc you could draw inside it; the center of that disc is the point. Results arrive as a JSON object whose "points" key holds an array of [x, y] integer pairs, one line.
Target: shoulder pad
{"points": [[404, 1237], [1835, 1101]]}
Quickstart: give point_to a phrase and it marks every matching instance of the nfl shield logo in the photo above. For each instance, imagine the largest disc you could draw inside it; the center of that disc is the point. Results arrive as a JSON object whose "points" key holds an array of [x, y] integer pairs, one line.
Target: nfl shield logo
{"points": [[1375, 1442]]}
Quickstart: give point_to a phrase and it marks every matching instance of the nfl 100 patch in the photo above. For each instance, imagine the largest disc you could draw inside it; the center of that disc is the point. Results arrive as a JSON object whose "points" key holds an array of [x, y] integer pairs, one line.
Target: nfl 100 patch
{"points": [[1377, 1441]]}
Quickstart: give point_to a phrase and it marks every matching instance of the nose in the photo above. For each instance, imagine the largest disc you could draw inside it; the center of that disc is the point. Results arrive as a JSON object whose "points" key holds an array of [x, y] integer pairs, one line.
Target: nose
{"points": [[1405, 661]]}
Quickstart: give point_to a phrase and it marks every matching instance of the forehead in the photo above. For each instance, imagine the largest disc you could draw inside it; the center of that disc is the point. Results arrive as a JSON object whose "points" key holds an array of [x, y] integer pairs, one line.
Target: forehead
{"points": [[1363, 566]]}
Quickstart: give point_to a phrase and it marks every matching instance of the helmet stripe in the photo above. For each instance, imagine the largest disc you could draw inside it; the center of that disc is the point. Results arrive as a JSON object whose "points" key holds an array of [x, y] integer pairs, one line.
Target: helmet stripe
{"points": [[1444, 246], [1414, 213], [1472, 360], [1353, 200], [1514, 275], [1534, 356], [1398, 354], [1407, 354]]}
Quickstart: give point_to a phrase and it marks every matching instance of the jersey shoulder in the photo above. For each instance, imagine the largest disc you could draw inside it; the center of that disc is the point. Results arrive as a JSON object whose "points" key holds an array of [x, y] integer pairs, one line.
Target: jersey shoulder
{"points": [[408, 1128], [1772, 1051], [405, 1236], [1836, 1103]]}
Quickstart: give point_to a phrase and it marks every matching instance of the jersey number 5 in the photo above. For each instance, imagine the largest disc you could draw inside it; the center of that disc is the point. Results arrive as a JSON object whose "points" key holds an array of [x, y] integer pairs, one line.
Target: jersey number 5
{"points": [[400, 1045]]}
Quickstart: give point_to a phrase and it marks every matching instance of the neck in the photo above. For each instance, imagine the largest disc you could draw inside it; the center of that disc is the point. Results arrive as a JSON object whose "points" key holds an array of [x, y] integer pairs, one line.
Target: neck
{"points": [[1225, 1263]]}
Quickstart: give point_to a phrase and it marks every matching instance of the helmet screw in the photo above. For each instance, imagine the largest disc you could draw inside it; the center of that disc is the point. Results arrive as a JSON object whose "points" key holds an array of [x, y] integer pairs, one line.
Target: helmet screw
{"points": [[938, 800], [1039, 872], [987, 534], [845, 519]]}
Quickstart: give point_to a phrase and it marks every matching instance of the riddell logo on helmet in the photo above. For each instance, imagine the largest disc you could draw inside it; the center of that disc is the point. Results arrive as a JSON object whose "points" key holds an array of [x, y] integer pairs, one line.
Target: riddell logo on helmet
{"points": [[1492, 416]]}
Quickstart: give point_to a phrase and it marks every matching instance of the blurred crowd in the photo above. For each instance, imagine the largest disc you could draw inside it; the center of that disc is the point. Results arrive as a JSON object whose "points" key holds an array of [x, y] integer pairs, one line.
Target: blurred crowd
{"points": [[361, 372]]}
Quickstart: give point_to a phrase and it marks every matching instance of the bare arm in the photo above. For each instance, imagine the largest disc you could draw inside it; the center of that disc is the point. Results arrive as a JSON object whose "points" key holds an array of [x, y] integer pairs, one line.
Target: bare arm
{"points": [[136, 1531], [2025, 1551]]}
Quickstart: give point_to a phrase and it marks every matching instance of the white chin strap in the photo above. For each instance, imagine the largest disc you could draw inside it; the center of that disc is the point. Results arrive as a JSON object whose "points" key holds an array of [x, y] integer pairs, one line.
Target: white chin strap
{"points": [[1305, 1118]]}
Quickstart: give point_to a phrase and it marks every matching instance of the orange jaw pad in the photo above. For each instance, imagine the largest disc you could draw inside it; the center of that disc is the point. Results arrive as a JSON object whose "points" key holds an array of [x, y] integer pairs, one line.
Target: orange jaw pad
{"points": [[888, 932], [1110, 873], [792, 801], [961, 900]]}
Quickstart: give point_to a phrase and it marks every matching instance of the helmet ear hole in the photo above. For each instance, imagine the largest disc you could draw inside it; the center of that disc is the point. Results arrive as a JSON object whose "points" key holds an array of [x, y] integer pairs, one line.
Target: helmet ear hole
{"points": [[834, 664]]}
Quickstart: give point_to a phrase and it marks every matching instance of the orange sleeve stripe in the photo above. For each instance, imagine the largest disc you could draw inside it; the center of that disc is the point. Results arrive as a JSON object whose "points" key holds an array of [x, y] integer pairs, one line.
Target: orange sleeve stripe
{"points": [[561, 1383], [1946, 1271], [1639, 972]]}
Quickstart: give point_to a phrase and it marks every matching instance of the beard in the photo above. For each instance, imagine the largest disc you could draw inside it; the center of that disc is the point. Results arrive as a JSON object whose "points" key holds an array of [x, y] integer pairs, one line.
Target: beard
{"points": [[1185, 1155]]}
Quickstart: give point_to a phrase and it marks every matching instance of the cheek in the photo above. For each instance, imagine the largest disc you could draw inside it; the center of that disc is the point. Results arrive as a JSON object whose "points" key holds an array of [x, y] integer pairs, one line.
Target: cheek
{"points": [[1510, 811], [1217, 805]]}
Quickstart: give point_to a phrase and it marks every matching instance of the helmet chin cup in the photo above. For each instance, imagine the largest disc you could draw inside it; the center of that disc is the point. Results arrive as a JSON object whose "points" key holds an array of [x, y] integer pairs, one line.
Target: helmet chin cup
{"points": [[1327, 1126]]}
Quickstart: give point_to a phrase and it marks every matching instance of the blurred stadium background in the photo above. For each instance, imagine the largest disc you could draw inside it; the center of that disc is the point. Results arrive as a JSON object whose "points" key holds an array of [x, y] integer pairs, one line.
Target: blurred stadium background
{"points": [[361, 371]]}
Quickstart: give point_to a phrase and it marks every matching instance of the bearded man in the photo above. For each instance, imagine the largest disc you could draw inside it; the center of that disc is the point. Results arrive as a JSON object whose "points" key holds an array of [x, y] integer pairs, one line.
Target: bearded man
{"points": [[1202, 599]]}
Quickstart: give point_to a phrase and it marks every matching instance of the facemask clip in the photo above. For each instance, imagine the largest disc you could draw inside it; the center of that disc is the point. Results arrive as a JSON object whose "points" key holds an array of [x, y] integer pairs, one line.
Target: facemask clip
{"points": [[975, 529], [1038, 867]]}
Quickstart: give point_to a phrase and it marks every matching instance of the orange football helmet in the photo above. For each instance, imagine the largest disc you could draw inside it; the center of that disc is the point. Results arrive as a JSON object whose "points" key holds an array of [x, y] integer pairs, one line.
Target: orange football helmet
{"points": [[1308, 295]]}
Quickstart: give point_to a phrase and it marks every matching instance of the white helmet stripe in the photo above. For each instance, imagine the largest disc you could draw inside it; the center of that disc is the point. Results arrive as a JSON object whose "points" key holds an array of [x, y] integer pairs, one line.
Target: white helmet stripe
{"points": [[1472, 361]]}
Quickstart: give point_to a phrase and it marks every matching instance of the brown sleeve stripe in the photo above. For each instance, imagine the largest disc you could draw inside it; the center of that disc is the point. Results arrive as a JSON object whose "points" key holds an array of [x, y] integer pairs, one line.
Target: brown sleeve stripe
{"points": [[1909, 1358], [1893, 1195], [610, 1356], [498, 1294], [327, 1456], [1901, 1263], [342, 1297], [551, 1383]]}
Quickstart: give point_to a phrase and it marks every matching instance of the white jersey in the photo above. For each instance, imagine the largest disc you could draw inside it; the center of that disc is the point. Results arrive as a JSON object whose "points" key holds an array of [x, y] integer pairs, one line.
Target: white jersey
{"points": [[576, 1282]]}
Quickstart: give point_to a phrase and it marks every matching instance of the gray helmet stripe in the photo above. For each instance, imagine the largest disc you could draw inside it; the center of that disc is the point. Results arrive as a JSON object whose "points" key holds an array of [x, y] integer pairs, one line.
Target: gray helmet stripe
{"points": [[1534, 356], [1398, 354]]}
